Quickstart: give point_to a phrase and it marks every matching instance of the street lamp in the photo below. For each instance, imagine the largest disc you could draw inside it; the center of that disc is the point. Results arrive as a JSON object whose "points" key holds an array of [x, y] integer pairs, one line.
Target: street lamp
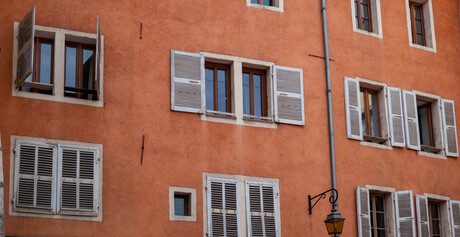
{"points": [[334, 221]]}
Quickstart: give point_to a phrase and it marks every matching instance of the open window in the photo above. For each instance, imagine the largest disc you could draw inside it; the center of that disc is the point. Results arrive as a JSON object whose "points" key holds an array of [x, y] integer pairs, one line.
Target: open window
{"points": [[420, 24]]}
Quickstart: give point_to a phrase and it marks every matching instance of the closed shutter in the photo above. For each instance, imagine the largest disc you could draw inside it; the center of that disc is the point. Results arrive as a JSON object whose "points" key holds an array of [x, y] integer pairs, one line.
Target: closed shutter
{"points": [[77, 180], [423, 220], [449, 127], [395, 111], [187, 82], [25, 63], [261, 209], [98, 60], [223, 207], [405, 214], [411, 120], [288, 93], [363, 210], [353, 109], [455, 217], [34, 176]]}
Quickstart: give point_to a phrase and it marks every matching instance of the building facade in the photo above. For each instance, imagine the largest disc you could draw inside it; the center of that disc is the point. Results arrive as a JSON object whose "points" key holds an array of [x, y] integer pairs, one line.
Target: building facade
{"points": [[209, 117]]}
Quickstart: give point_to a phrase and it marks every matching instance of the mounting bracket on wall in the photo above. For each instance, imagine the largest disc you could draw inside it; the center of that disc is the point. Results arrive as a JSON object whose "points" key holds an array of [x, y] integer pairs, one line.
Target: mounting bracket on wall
{"points": [[332, 199]]}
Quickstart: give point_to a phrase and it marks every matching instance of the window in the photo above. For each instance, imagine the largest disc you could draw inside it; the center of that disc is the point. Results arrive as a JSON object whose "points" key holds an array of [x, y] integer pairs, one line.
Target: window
{"points": [[366, 17], [433, 214], [273, 5], [420, 24], [57, 64], [254, 93], [425, 120], [435, 219], [57, 179], [417, 22], [218, 87], [370, 114], [377, 208], [263, 2], [224, 209], [182, 204], [236, 90]]}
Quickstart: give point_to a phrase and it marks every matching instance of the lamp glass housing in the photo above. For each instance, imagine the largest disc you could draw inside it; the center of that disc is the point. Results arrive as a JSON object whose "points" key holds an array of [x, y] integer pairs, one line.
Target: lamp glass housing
{"points": [[334, 223]]}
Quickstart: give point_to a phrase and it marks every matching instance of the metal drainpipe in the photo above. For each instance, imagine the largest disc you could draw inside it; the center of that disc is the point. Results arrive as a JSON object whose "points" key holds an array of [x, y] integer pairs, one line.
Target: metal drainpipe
{"points": [[329, 103]]}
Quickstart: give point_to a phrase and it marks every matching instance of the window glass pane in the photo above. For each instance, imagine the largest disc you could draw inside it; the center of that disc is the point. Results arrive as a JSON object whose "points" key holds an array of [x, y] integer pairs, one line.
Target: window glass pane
{"points": [[373, 113], [179, 206], [417, 10], [257, 80], [364, 11], [381, 233], [88, 68], [363, 114], [424, 126], [356, 8], [434, 211], [45, 63], [366, 26], [435, 226], [372, 219], [222, 90], [70, 68], [364, 1], [255, 1], [268, 2], [246, 94], [418, 25], [209, 78], [420, 39], [379, 203], [380, 220]]}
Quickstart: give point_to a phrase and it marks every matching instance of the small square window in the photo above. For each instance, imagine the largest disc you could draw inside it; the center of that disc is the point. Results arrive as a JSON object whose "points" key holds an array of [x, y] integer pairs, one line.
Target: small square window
{"points": [[367, 17], [182, 204]]}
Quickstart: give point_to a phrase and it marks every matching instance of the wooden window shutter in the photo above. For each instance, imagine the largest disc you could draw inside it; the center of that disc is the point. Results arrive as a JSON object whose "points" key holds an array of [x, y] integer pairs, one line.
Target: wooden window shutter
{"points": [[395, 112], [223, 207], [78, 178], [353, 109], [98, 60], [449, 127], [411, 120], [288, 95], [404, 214], [423, 219], [25, 63], [455, 217], [35, 176], [363, 210], [187, 82], [261, 209]]}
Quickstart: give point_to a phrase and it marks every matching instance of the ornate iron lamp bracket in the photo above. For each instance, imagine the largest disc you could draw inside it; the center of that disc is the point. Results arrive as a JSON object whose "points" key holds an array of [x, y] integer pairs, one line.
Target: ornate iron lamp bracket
{"points": [[332, 199]]}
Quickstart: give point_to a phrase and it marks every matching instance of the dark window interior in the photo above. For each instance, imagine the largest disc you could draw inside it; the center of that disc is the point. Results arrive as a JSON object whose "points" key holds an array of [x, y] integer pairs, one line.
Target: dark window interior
{"points": [[182, 204]]}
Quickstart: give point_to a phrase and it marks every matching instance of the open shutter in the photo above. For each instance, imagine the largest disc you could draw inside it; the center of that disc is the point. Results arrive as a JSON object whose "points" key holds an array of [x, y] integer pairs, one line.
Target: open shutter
{"points": [[223, 207], [449, 127], [25, 64], [261, 209], [395, 111], [187, 82], [411, 120], [363, 210], [423, 220], [455, 217], [405, 214], [288, 93], [77, 180], [35, 172], [98, 60], [353, 109]]}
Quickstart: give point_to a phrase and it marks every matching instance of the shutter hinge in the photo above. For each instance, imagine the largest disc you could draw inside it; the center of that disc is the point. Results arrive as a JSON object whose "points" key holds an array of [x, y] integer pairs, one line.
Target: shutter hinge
{"points": [[207, 233], [14, 151], [205, 187]]}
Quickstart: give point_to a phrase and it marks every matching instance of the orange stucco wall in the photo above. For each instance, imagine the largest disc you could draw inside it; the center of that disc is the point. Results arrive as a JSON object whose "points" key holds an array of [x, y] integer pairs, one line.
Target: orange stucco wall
{"points": [[179, 147]]}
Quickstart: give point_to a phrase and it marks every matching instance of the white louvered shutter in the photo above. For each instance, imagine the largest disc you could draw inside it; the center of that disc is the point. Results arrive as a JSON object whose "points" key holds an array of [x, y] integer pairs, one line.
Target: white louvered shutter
{"points": [[411, 120], [353, 109], [288, 93], [363, 210], [395, 112], [261, 209], [25, 63], [449, 127], [405, 221], [223, 207], [35, 176], [187, 82], [98, 60], [423, 219], [455, 217], [78, 180]]}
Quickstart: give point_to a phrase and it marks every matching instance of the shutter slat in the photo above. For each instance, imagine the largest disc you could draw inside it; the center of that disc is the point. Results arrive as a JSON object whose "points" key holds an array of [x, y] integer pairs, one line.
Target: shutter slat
{"points": [[450, 128], [411, 120], [405, 220], [353, 109], [395, 109], [223, 208], [455, 217], [363, 212], [26, 192], [288, 95], [261, 214], [26, 32], [187, 82], [423, 221]]}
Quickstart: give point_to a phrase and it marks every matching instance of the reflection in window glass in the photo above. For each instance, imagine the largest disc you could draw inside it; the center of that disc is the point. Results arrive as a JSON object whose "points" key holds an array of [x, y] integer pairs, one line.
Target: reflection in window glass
{"points": [[246, 94], [179, 206], [255, 1], [222, 90], [45, 63], [268, 2], [373, 113], [363, 113], [209, 78], [217, 83], [370, 112], [88, 68], [70, 66], [257, 80]]}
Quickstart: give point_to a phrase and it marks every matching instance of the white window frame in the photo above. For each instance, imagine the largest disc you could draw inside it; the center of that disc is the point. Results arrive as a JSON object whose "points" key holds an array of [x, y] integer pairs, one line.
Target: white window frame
{"points": [[278, 5], [236, 76], [13, 211], [241, 195], [60, 36], [376, 17], [446, 225], [428, 23], [390, 218], [182, 190]]}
